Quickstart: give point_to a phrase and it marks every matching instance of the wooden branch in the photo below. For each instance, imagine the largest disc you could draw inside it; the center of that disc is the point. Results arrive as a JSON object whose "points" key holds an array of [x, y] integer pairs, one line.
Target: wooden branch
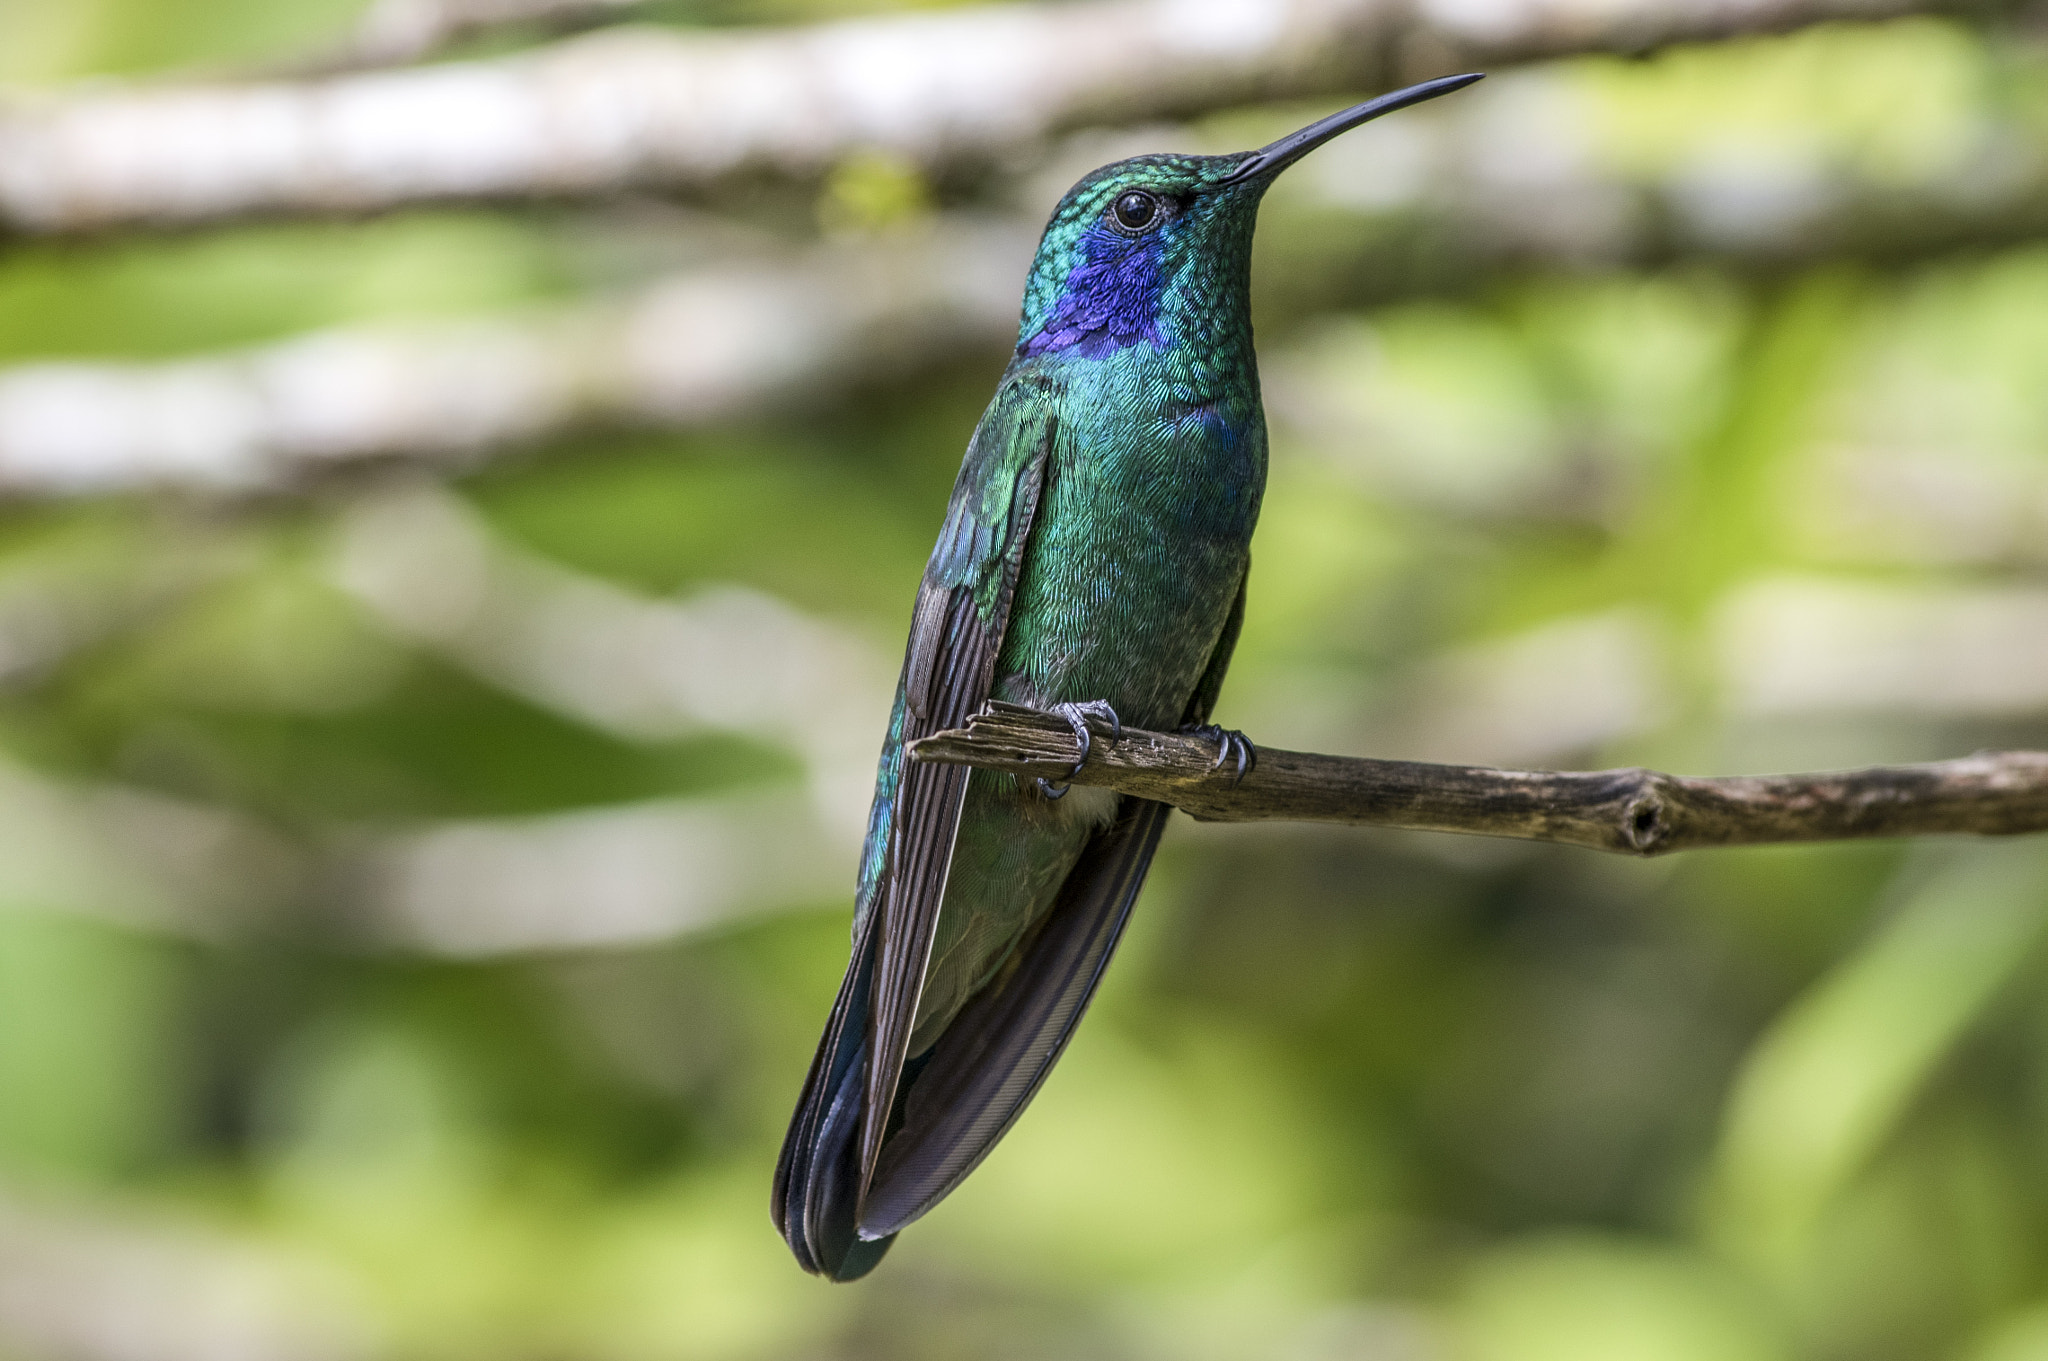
{"points": [[1635, 812]]}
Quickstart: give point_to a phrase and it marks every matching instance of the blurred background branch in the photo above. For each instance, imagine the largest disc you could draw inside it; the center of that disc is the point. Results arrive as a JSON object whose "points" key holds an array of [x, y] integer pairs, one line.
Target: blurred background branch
{"points": [[728, 341], [624, 108], [179, 1290], [766, 326]]}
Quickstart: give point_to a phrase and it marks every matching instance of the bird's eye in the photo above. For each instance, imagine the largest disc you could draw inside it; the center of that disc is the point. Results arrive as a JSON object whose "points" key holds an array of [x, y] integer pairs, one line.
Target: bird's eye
{"points": [[1136, 210]]}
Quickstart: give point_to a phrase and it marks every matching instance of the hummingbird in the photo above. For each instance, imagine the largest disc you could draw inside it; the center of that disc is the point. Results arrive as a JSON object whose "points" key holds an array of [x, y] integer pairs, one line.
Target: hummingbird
{"points": [[1092, 562]]}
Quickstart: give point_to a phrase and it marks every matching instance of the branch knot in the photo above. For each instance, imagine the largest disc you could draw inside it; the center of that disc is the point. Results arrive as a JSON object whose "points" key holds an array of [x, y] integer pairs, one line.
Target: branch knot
{"points": [[1643, 825]]}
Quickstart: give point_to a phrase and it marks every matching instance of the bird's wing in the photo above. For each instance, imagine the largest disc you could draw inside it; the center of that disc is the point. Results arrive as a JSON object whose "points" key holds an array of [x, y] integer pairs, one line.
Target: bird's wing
{"points": [[956, 632], [815, 1196], [957, 627], [993, 1057]]}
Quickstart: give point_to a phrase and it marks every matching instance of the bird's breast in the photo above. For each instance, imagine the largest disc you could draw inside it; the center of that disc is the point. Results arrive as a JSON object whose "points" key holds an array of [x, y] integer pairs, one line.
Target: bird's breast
{"points": [[1141, 541]]}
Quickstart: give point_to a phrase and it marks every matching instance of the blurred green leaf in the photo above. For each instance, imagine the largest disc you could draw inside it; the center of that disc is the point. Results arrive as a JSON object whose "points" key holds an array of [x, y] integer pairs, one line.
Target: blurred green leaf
{"points": [[1589, 1298], [92, 1058], [145, 298], [42, 41], [2019, 1337], [1833, 1077]]}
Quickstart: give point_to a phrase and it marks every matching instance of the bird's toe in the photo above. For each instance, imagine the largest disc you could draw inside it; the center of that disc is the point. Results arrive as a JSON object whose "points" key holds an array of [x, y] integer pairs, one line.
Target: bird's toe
{"points": [[1077, 713], [1232, 747]]}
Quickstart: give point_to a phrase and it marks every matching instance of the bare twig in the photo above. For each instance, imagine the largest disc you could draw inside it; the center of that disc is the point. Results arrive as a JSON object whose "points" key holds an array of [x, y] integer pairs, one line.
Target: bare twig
{"points": [[621, 107], [1636, 812]]}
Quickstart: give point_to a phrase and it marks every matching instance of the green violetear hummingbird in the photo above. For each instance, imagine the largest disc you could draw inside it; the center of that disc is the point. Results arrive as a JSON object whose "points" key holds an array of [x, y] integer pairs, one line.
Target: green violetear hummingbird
{"points": [[1092, 562]]}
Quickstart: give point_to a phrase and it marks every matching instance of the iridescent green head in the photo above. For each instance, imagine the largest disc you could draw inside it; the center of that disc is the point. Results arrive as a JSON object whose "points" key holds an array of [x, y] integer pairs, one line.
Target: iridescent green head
{"points": [[1147, 250]]}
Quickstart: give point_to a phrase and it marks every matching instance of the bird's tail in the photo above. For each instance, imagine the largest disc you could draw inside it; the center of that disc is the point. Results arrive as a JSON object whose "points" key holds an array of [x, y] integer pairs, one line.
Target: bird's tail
{"points": [[994, 1056], [957, 1100], [817, 1178]]}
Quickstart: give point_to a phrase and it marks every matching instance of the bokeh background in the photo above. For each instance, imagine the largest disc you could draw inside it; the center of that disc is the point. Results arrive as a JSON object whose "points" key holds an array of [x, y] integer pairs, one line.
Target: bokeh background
{"points": [[448, 603]]}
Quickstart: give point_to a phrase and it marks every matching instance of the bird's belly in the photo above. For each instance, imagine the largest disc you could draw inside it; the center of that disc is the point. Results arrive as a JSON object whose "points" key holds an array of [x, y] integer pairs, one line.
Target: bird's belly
{"points": [[1125, 601], [1136, 556]]}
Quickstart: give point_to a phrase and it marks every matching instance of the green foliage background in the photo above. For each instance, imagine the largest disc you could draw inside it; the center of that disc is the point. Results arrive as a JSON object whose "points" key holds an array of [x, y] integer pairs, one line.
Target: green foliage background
{"points": [[1345, 1095]]}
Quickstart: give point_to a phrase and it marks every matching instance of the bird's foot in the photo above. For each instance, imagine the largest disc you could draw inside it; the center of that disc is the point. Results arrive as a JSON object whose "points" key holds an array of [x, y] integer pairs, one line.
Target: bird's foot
{"points": [[1230, 745], [1077, 715]]}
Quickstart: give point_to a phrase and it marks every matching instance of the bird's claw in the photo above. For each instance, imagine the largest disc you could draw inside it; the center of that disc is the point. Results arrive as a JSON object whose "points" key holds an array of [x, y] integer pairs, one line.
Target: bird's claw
{"points": [[1230, 744], [1077, 714]]}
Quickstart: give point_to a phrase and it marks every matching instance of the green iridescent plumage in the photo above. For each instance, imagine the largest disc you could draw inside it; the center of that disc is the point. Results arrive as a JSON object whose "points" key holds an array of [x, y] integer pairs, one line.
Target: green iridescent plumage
{"points": [[1095, 551]]}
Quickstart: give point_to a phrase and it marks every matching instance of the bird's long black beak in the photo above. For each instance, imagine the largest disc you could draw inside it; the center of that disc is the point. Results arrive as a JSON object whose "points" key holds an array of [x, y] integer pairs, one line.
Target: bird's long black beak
{"points": [[1269, 161]]}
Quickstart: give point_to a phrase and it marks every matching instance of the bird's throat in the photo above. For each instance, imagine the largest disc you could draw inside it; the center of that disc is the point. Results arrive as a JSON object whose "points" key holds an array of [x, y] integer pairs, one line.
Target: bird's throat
{"points": [[1111, 300]]}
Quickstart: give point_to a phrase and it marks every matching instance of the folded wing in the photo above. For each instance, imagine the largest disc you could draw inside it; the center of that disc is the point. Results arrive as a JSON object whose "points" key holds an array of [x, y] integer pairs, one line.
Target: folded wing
{"points": [[957, 629]]}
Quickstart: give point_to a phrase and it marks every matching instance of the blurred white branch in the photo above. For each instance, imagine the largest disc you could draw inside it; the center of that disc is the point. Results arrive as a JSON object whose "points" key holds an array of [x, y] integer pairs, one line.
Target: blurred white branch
{"points": [[725, 658], [606, 877], [712, 344], [139, 859], [1807, 645], [623, 107], [90, 1286], [614, 876], [1505, 180], [1804, 649]]}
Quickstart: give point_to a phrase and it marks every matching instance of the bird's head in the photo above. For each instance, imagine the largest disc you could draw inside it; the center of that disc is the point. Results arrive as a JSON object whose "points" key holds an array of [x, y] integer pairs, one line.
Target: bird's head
{"points": [[1155, 230]]}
